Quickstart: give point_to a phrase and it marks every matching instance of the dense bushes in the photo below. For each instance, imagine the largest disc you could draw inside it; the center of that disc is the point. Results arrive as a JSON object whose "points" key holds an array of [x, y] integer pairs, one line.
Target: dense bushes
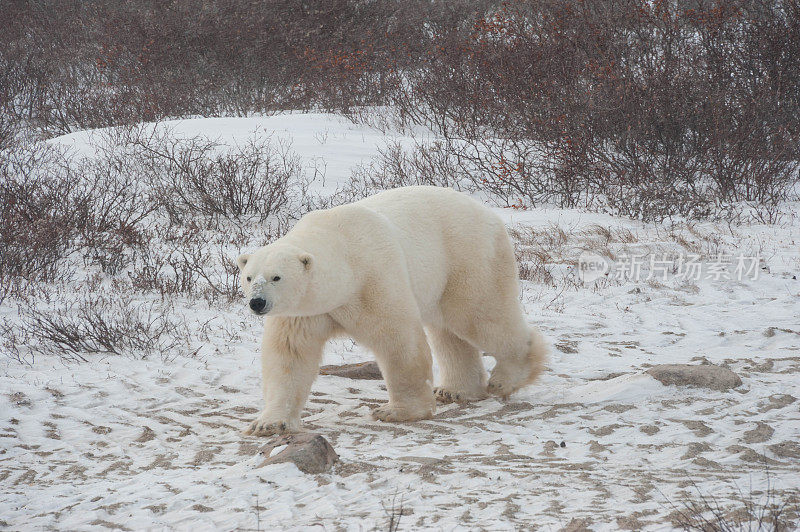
{"points": [[146, 201], [647, 108], [644, 108], [71, 64], [42, 210]]}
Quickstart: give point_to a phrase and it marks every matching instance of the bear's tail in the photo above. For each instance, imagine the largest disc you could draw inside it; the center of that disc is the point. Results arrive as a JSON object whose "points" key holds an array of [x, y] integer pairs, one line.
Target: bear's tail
{"points": [[537, 355]]}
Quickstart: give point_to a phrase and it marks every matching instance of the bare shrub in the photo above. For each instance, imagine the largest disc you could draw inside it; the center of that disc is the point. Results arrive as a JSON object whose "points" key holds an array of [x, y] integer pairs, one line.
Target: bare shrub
{"points": [[8, 129], [397, 166], [41, 209], [197, 177], [54, 203], [119, 208], [98, 324], [394, 510], [7, 283], [771, 510], [160, 272], [183, 262]]}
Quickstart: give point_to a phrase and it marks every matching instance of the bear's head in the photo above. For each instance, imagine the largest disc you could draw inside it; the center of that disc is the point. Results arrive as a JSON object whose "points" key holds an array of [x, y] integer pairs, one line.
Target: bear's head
{"points": [[275, 279]]}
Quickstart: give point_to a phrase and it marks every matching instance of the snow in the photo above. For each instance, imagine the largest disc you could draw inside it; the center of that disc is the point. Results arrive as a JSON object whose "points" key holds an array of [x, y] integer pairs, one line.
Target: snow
{"points": [[157, 444]]}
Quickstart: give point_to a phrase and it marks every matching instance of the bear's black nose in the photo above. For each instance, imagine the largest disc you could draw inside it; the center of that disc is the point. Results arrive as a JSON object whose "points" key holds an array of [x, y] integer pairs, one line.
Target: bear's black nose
{"points": [[258, 304]]}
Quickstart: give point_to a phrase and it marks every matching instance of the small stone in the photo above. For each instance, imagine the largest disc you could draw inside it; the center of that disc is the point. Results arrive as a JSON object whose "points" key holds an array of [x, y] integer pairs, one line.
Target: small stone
{"points": [[362, 370], [700, 376], [310, 452]]}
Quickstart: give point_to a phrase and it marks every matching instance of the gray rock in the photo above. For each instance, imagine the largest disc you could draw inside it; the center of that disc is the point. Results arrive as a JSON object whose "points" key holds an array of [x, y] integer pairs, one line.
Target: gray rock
{"points": [[310, 452], [700, 376], [362, 370]]}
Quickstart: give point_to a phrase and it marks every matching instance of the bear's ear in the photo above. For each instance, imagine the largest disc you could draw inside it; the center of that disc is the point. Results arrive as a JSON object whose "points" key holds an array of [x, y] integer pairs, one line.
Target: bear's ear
{"points": [[242, 261], [307, 259]]}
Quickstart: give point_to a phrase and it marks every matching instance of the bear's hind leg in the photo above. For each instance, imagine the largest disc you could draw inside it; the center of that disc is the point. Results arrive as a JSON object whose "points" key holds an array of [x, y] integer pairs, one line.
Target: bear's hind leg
{"points": [[520, 361], [519, 351], [463, 377]]}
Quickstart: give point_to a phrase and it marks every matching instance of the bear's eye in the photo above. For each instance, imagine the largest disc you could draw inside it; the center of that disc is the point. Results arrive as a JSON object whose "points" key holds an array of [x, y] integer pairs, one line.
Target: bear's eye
{"points": [[249, 278], [276, 278]]}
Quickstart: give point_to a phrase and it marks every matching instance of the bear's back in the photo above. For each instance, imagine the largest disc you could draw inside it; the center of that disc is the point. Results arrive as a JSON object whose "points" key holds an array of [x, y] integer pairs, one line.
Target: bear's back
{"points": [[443, 233]]}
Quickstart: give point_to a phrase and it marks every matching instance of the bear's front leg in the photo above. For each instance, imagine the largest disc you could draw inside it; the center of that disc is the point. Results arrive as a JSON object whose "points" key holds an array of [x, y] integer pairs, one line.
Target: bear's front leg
{"points": [[291, 351]]}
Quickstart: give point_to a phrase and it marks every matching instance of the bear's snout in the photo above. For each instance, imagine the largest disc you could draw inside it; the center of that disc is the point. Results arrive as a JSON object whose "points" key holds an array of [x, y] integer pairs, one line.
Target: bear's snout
{"points": [[259, 305]]}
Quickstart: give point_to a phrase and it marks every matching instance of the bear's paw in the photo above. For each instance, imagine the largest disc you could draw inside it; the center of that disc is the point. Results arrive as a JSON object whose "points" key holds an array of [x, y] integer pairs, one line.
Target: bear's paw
{"points": [[389, 412], [445, 395], [262, 427]]}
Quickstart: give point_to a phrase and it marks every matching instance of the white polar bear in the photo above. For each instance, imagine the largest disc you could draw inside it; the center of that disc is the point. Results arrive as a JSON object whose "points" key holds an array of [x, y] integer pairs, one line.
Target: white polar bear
{"points": [[384, 270]]}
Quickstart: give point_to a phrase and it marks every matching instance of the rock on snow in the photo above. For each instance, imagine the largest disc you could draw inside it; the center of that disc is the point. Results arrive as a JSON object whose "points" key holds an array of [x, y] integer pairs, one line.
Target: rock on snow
{"points": [[699, 376]]}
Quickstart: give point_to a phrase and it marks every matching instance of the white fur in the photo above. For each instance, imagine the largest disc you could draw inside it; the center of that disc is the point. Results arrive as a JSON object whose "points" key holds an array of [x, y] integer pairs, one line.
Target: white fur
{"points": [[383, 270]]}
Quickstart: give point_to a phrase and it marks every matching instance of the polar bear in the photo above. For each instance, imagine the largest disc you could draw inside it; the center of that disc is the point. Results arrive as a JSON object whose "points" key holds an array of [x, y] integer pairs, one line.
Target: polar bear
{"points": [[384, 270]]}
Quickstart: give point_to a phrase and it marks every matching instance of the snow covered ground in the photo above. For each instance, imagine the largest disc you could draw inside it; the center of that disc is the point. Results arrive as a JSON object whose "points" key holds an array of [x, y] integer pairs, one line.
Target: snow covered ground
{"points": [[132, 444]]}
